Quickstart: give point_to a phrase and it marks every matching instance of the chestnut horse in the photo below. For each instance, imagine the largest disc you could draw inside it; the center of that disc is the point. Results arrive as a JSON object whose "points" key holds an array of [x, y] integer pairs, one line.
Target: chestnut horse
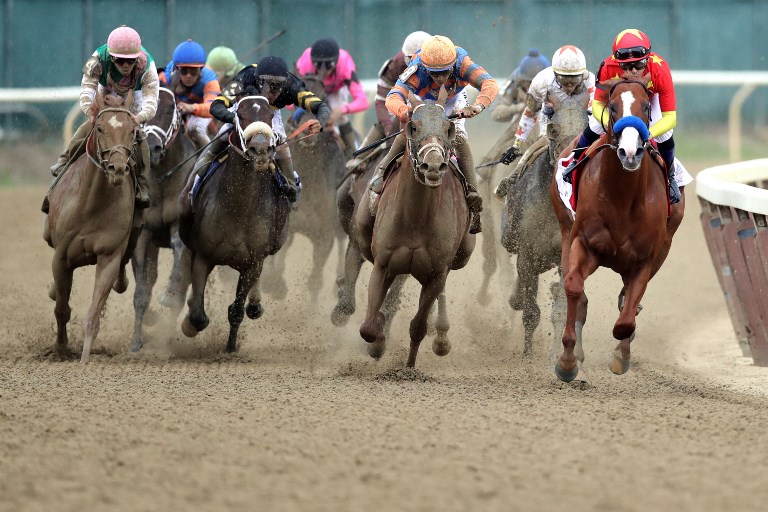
{"points": [[90, 220], [623, 222], [421, 227], [238, 219], [169, 146]]}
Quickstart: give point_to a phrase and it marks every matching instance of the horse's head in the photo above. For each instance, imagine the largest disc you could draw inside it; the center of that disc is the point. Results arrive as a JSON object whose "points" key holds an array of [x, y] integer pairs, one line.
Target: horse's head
{"points": [[257, 140], [114, 133], [567, 121], [162, 128], [430, 135], [629, 108]]}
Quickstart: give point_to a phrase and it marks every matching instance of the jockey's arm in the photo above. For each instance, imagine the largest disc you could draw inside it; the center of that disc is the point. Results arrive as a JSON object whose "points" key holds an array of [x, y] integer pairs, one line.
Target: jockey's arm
{"points": [[219, 108], [359, 101], [667, 122], [210, 93], [89, 85], [480, 79], [599, 112], [396, 103], [527, 119], [150, 89]]}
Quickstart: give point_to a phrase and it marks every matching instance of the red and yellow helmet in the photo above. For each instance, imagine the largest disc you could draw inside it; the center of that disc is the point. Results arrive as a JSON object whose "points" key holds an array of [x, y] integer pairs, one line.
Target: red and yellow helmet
{"points": [[630, 45], [438, 53]]}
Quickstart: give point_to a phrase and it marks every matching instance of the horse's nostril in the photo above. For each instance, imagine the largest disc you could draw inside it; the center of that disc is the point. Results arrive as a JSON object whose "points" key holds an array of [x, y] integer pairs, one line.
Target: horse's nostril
{"points": [[622, 153], [443, 168], [423, 167]]}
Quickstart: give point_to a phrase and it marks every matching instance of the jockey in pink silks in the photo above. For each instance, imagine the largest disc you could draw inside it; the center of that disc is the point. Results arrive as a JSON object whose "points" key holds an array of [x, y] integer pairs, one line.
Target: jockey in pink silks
{"points": [[337, 70]]}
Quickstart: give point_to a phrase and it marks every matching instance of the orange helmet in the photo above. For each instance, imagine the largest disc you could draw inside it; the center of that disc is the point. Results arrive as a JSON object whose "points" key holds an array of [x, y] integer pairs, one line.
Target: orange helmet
{"points": [[631, 45], [438, 53]]}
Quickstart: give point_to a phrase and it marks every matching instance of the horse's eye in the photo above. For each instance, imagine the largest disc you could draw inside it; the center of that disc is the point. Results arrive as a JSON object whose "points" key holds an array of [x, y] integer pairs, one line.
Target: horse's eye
{"points": [[100, 129]]}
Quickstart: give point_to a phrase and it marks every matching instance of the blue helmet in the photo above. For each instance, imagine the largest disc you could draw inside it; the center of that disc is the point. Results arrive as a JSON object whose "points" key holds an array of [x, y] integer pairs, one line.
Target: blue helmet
{"points": [[189, 54], [531, 65]]}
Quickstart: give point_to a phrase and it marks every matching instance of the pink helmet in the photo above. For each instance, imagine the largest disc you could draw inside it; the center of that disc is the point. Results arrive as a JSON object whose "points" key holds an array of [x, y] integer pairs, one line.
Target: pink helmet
{"points": [[124, 42]]}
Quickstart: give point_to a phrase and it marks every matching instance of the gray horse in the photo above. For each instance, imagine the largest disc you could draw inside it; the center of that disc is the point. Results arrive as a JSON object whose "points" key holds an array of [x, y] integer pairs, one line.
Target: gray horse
{"points": [[169, 146], [529, 226]]}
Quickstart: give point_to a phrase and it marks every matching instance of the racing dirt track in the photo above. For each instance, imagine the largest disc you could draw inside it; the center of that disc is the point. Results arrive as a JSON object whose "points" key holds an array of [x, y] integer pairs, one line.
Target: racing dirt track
{"points": [[302, 419]]}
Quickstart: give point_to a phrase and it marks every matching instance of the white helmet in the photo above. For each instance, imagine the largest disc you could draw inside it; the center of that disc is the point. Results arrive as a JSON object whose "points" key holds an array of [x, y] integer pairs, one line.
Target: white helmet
{"points": [[412, 43], [569, 60]]}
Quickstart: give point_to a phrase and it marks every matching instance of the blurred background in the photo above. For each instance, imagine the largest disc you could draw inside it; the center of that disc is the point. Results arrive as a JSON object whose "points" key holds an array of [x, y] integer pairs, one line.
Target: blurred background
{"points": [[46, 42]]}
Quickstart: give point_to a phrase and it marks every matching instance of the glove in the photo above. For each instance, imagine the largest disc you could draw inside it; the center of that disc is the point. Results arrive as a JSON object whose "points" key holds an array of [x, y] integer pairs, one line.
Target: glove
{"points": [[509, 155], [297, 113], [323, 114], [548, 111], [404, 114], [229, 117]]}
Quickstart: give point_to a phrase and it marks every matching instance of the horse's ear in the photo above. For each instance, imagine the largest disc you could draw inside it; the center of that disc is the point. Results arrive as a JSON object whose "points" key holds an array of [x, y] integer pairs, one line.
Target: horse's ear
{"points": [[442, 96], [413, 99]]}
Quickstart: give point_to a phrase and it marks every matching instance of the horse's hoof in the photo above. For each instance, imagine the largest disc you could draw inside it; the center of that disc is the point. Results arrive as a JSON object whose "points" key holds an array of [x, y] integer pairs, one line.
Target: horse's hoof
{"points": [[169, 299], [254, 310], [121, 284], [52, 290], [339, 316], [566, 375], [187, 329], [199, 323], [376, 349], [516, 302], [136, 346], [618, 364], [441, 347]]}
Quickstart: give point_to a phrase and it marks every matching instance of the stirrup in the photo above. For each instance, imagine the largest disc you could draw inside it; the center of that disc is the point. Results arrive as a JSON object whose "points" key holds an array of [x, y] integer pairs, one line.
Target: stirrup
{"points": [[568, 172]]}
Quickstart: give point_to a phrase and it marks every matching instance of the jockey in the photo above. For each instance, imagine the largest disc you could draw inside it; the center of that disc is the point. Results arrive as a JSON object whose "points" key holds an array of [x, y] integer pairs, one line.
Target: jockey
{"points": [[387, 78], [566, 77], [269, 78], [114, 70], [631, 59], [337, 70], [223, 61], [512, 100], [195, 87], [441, 64]]}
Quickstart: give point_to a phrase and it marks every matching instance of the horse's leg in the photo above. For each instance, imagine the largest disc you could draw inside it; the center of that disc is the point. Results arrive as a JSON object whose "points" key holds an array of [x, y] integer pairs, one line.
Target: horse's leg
{"points": [[62, 281], [107, 268], [340, 237], [581, 265], [143, 291], [344, 308], [418, 328], [196, 319], [320, 251], [392, 301], [489, 252], [531, 312], [372, 328], [441, 345], [624, 328], [175, 292], [121, 281], [236, 310], [254, 309]]}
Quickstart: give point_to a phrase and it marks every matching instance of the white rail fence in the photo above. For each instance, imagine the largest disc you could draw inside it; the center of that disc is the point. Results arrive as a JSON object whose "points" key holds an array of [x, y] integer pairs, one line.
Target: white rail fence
{"points": [[746, 81], [734, 217]]}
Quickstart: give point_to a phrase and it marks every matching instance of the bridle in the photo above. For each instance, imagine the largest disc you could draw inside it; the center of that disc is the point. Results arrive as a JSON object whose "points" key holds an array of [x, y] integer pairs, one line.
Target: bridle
{"points": [[417, 153], [237, 137], [629, 120], [165, 135], [105, 155]]}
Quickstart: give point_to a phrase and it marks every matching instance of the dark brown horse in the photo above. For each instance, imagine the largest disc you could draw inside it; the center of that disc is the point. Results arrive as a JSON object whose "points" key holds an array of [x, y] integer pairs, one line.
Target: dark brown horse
{"points": [[239, 218], [319, 160], [169, 146], [621, 223], [529, 227], [91, 217], [421, 227]]}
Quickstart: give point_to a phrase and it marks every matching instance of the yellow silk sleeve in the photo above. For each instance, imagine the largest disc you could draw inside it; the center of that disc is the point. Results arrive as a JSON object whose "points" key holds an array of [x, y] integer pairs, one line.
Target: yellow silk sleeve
{"points": [[667, 122]]}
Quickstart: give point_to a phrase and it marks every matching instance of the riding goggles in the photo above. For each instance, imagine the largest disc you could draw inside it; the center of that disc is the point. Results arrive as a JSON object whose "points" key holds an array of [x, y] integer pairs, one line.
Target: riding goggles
{"points": [[636, 52], [638, 65], [121, 61], [568, 80], [272, 83], [189, 71], [327, 64]]}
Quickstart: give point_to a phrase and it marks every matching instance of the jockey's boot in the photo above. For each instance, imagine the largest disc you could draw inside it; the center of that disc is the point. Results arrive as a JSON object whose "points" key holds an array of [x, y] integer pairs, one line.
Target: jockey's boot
{"points": [[467, 168], [292, 186], [347, 134], [142, 163], [375, 133], [674, 189], [199, 138], [577, 152], [377, 181], [73, 150], [205, 160]]}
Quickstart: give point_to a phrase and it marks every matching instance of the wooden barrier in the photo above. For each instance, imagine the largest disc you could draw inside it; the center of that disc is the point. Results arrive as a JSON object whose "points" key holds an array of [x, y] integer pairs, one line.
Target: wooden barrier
{"points": [[734, 220]]}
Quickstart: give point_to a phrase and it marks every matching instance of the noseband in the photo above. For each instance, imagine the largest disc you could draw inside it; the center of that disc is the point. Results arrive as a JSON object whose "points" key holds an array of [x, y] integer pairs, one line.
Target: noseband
{"points": [[105, 155], [237, 137], [639, 124]]}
